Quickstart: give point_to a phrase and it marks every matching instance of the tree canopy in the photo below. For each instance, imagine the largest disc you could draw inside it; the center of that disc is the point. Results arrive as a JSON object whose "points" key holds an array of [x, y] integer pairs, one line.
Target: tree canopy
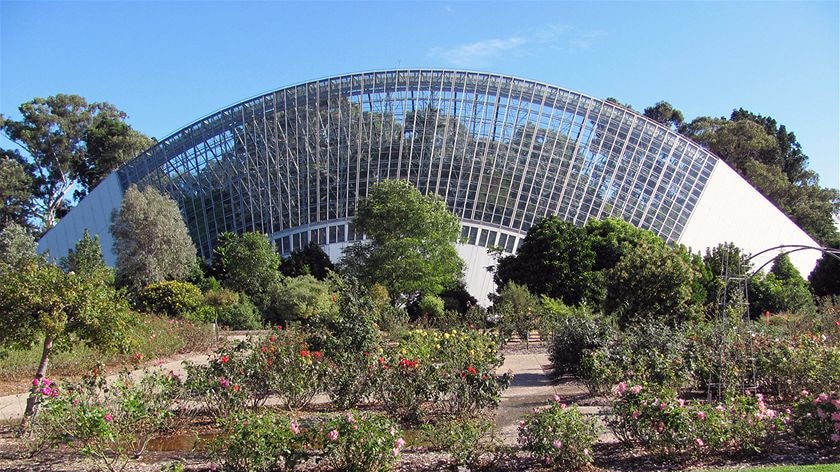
{"points": [[69, 145], [410, 245], [768, 156], [150, 240], [249, 264], [555, 259]]}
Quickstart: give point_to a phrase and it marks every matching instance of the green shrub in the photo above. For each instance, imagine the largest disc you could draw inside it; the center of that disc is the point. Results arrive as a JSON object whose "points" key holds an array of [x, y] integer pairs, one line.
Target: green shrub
{"points": [[559, 435], [108, 423], [172, 298], [656, 419], [246, 374], [223, 385], [817, 418], [260, 442], [233, 309], [452, 371], [285, 366], [470, 442], [648, 352], [362, 442], [572, 335], [349, 335]]}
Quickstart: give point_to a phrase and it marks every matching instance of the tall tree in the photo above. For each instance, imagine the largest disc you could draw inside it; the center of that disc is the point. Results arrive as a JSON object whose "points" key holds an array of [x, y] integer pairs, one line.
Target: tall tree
{"points": [[86, 259], [825, 278], [41, 302], [555, 259], [310, 259], [150, 240], [54, 133], [653, 282], [16, 189], [248, 263], [770, 158], [665, 113], [410, 245]]}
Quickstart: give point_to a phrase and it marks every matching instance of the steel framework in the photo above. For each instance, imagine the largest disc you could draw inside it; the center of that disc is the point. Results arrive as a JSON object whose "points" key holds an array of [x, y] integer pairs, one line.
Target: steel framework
{"points": [[503, 152]]}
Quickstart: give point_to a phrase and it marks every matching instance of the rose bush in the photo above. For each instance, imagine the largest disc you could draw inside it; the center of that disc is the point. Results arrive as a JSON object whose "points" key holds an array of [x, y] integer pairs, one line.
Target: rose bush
{"points": [[560, 436]]}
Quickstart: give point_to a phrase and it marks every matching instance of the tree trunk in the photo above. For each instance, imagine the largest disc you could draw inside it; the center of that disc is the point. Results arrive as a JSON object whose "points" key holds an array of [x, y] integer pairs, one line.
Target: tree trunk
{"points": [[34, 393]]}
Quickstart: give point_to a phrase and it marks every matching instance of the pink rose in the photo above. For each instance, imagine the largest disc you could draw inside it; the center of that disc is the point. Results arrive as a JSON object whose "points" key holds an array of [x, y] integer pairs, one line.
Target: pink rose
{"points": [[621, 388], [109, 417], [701, 416], [333, 435]]}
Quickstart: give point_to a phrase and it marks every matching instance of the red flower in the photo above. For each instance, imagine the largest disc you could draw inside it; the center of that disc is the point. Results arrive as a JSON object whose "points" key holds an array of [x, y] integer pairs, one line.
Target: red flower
{"points": [[408, 363], [269, 361], [304, 353], [272, 338], [472, 370], [225, 359], [317, 354], [236, 388]]}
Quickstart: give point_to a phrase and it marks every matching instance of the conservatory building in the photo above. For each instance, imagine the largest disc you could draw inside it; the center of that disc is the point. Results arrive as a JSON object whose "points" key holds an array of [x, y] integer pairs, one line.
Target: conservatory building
{"points": [[503, 152]]}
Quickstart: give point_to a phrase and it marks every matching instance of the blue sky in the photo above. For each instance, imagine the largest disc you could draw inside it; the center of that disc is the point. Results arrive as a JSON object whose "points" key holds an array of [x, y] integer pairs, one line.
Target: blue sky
{"points": [[169, 63]]}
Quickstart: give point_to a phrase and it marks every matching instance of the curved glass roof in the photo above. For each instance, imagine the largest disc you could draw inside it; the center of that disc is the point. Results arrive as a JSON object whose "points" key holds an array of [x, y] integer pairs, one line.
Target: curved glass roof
{"points": [[502, 151]]}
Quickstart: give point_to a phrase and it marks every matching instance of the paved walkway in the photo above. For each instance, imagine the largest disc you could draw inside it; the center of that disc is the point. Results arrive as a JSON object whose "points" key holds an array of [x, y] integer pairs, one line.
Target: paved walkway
{"points": [[532, 388]]}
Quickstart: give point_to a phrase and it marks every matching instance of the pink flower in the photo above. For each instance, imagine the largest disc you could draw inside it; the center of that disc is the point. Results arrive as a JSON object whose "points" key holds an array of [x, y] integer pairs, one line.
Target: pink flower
{"points": [[395, 451], [621, 388], [586, 452], [35, 382], [699, 442], [662, 406], [837, 426], [47, 391], [804, 393], [636, 415], [400, 443], [563, 406], [820, 412], [557, 398], [720, 408], [835, 437], [823, 397], [557, 444], [333, 435], [350, 418], [680, 401], [224, 383], [836, 404], [294, 427], [701, 416], [109, 417], [521, 424], [635, 389]]}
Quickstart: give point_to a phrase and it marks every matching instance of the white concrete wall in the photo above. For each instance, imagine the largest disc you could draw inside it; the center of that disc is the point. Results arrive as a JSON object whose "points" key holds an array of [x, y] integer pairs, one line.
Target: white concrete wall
{"points": [[730, 210], [92, 213]]}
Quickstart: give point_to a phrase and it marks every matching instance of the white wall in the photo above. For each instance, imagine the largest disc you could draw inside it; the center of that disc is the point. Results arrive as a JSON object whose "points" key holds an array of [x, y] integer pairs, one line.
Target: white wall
{"points": [[92, 213], [730, 210]]}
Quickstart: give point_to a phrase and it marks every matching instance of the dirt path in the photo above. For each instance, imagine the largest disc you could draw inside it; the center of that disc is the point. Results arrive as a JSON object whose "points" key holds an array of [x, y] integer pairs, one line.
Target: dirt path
{"points": [[13, 406]]}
